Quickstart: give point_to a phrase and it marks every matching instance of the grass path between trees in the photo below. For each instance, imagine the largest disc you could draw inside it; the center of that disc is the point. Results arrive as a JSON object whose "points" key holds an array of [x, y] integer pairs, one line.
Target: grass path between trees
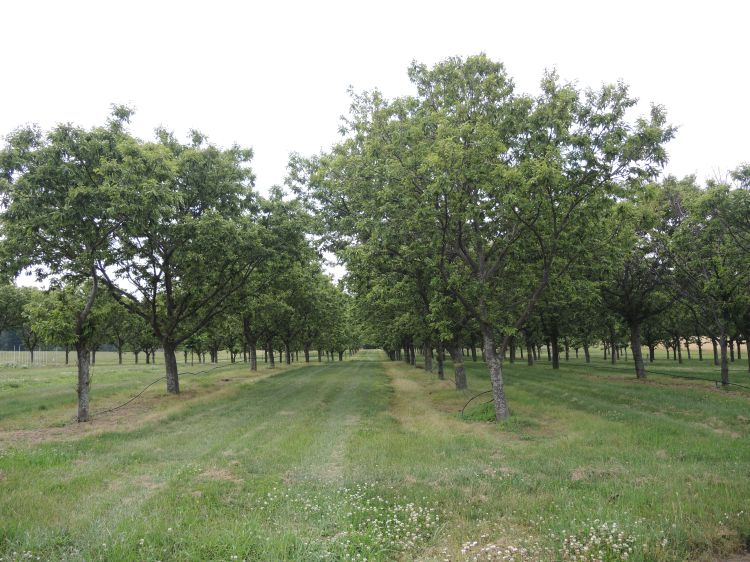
{"points": [[368, 459]]}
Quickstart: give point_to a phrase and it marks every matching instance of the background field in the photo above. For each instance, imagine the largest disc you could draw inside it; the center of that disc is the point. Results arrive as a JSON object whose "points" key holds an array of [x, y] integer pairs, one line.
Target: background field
{"points": [[370, 459]]}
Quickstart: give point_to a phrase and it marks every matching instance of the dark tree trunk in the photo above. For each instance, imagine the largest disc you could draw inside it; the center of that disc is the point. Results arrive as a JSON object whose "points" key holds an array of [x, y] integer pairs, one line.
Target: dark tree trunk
{"points": [[93, 356], [586, 353], [495, 365], [148, 357], [288, 354], [428, 358], [555, 348], [747, 352], [136, 353], [185, 356], [678, 350], [441, 361], [567, 349], [67, 353], [687, 348], [119, 355], [512, 350], [271, 357], [473, 351], [459, 372], [84, 382], [341, 355], [651, 353], [170, 361], [700, 347], [635, 345], [724, 361], [307, 352], [253, 358], [549, 352], [413, 359], [731, 350], [320, 355], [529, 354]]}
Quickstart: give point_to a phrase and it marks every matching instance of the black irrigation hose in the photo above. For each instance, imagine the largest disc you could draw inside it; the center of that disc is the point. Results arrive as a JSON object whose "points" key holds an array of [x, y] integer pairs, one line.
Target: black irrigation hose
{"points": [[472, 399], [619, 370], [149, 385], [717, 381]]}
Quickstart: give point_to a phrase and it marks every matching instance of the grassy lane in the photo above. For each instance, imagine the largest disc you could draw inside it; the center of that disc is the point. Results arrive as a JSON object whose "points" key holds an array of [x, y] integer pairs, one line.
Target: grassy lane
{"points": [[368, 459]]}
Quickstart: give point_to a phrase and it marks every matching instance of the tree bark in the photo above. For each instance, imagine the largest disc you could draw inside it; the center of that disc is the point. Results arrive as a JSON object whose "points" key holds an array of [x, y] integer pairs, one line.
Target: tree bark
{"points": [[441, 361], [495, 365], [341, 355], [459, 372], [170, 361], [428, 358], [307, 352], [724, 361], [586, 353], [635, 344], [119, 355], [271, 357], [555, 346], [84, 382], [687, 348]]}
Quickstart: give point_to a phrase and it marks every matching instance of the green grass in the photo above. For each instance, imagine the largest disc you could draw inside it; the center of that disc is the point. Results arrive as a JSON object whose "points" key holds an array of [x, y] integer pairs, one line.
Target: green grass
{"points": [[370, 459]]}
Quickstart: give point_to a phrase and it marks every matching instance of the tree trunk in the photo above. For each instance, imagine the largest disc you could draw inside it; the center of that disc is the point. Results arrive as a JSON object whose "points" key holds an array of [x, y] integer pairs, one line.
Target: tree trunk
{"points": [[253, 358], [687, 348], [512, 345], [428, 358], [555, 347], [288, 354], [441, 361], [549, 352], [84, 382], [148, 357], [119, 355], [341, 355], [635, 345], [678, 350], [700, 347], [459, 372], [320, 355], [747, 352], [651, 353], [136, 353], [473, 351], [413, 360], [170, 362], [724, 361], [586, 353], [67, 353], [271, 357], [731, 350], [529, 354], [567, 349], [495, 366], [307, 352]]}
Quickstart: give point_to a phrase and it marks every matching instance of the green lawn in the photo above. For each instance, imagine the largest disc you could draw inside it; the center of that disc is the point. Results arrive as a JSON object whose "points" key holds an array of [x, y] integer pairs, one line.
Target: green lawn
{"points": [[369, 459]]}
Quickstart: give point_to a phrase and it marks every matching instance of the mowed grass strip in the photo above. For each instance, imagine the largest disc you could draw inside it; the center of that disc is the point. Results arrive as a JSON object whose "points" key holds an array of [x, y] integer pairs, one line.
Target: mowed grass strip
{"points": [[369, 459]]}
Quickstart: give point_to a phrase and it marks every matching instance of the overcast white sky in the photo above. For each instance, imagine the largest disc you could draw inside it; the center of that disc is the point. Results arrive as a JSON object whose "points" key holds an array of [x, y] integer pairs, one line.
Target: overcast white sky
{"points": [[274, 77]]}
